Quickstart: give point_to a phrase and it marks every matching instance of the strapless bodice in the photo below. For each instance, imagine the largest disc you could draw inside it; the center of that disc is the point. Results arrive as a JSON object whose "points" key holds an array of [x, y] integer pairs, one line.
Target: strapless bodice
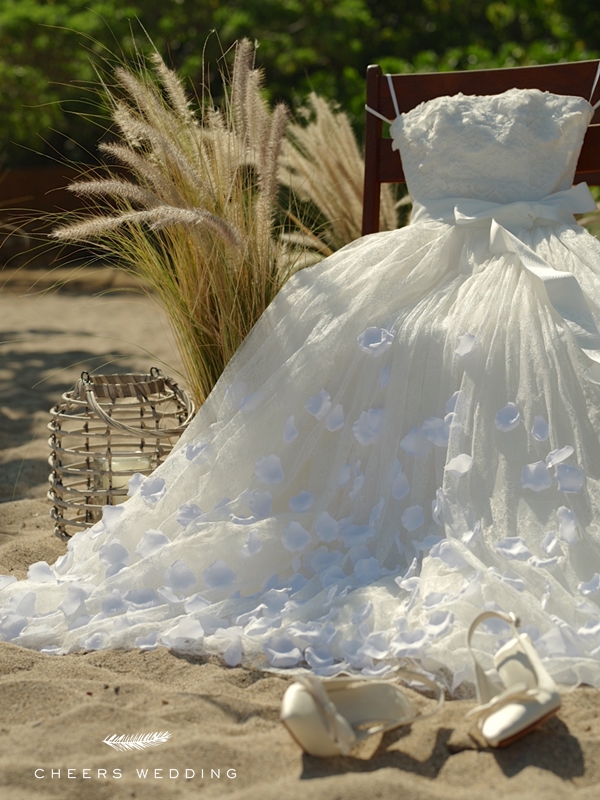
{"points": [[522, 144]]}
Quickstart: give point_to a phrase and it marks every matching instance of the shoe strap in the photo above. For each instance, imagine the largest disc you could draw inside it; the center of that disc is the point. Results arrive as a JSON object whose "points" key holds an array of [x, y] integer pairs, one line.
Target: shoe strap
{"points": [[486, 690], [338, 727], [517, 693], [418, 677]]}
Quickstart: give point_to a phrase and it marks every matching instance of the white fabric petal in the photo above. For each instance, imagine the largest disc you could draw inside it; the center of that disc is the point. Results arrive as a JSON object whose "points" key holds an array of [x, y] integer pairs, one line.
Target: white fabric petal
{"points": [[375, 341], [459, 465], [508, 418], [466, 343], [540, 430], [536, 477]]}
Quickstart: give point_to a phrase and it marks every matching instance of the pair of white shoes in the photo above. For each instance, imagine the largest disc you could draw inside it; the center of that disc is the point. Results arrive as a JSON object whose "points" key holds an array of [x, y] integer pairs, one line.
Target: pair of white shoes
{"points": [[329, 717]]}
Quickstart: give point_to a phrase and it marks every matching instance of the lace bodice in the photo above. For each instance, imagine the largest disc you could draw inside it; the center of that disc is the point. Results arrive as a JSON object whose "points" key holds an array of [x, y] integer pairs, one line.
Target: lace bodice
{"points": [[519, 145]]}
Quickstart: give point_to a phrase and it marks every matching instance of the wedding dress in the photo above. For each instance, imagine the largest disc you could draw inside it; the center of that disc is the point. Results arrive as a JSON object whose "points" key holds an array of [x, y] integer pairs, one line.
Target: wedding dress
{"points": [[410, 435]]}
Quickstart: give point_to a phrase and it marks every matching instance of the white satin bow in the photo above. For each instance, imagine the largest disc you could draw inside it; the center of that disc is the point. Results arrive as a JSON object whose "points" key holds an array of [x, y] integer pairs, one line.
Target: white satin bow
{"points": [[563, 289]]}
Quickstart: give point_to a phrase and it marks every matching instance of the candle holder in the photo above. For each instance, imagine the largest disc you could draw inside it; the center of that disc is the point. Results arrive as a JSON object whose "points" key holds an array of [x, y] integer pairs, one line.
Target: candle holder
{"points": [[102, 432]]}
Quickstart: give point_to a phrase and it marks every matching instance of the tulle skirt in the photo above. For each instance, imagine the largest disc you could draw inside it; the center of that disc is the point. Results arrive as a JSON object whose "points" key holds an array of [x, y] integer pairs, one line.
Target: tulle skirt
{"points": [[405, 439]]}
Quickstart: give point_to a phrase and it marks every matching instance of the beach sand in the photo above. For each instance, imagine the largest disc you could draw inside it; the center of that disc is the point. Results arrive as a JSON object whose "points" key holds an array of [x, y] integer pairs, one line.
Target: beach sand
{"points": [[55, 711]]}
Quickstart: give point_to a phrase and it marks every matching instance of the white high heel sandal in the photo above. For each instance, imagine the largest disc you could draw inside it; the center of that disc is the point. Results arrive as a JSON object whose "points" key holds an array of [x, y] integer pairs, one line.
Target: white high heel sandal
{"points": [[530, 696], [328, 717]]}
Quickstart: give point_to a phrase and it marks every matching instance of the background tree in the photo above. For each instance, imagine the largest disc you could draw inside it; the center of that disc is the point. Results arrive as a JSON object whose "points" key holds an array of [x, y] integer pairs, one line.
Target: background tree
{"points": [[48, 49]]}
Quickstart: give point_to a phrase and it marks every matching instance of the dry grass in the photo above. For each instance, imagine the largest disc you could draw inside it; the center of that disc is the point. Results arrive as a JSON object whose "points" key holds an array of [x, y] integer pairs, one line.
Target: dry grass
{"points": [[321, 163], [200, 219]]}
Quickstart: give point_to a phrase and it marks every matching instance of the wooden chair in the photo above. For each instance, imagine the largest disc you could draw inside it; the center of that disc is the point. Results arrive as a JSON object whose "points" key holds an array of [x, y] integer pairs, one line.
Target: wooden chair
{"points": [[383, 165]]}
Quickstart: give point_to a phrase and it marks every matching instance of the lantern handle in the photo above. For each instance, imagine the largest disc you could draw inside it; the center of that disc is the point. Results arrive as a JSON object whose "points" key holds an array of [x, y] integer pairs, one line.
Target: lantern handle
{"points": [[181, 394]]}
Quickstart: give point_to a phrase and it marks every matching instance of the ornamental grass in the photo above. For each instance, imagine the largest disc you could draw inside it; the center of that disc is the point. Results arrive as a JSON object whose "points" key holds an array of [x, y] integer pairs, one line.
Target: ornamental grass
{"points": [[198, 215], [322, 164], [197, 211]]}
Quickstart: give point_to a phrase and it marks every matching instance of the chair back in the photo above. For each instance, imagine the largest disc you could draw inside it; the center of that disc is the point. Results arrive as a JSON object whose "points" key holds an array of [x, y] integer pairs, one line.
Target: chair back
{"points": [[383, 165]]}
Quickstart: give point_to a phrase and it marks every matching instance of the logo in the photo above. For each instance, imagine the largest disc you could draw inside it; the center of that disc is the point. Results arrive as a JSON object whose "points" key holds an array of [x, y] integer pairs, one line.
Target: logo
{"points": [[137, 741]]}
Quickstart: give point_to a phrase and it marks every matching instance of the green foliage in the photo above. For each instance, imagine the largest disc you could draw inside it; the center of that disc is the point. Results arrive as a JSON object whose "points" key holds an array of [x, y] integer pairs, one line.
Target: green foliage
{"points": [[48, 49]]}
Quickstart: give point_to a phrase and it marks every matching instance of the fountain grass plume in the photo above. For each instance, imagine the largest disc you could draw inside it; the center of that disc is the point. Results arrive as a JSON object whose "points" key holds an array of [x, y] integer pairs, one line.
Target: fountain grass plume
{"points": [[322, 164], [199, 218]]}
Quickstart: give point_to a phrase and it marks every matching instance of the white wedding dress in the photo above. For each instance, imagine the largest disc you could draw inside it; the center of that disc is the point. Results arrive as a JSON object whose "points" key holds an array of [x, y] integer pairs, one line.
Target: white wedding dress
{"points": [[409, 435]]}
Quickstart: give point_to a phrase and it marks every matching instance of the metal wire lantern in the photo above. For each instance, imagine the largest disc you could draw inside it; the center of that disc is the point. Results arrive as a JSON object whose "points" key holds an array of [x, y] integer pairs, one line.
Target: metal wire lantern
{"points": [[102, 432]]}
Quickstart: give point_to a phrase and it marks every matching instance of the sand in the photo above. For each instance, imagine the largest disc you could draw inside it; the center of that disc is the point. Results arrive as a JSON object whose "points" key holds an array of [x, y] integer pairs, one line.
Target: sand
{"points": [[55, 712]]}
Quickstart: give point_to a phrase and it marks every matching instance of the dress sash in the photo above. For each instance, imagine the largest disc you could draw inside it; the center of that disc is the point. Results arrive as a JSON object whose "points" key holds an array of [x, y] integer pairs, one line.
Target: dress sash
{"points": [[505, 221]]}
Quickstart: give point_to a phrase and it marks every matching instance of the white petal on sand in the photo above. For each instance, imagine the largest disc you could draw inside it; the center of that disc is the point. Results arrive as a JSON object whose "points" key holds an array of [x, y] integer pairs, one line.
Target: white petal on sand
{"points": [[233, 653], [187, 630], [40, 572], [147, 642]]}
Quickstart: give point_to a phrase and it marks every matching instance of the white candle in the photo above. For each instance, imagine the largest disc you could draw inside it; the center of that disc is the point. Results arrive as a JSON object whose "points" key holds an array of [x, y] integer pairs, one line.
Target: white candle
{"points": [[129, 464]]}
